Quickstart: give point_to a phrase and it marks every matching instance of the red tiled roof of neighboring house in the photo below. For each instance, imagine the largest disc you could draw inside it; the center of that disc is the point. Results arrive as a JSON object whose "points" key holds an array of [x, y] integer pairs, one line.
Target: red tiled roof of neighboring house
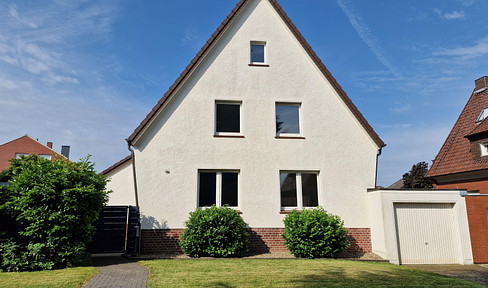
{"points": [[24, 144], [116, 165], [481, 128], [214, 38], [455, 155]]}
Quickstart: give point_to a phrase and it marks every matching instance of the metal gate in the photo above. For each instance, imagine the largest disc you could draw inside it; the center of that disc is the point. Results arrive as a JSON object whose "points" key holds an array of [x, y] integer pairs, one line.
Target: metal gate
{"points": [[116, 231]]}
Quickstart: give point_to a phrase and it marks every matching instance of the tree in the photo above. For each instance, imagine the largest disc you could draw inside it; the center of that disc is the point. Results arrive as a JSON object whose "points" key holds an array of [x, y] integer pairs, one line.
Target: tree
{"points": [[47, 212], [416, 177]]}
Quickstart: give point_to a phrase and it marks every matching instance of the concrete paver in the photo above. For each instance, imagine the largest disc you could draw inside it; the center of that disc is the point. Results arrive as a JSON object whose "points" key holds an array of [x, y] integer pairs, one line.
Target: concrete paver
{"points": [[476, 273], [118, 272]]}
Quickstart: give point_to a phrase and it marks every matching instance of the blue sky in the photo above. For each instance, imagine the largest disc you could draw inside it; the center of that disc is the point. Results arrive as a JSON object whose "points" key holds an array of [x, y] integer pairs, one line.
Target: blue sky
{"points": [[85, 73]]}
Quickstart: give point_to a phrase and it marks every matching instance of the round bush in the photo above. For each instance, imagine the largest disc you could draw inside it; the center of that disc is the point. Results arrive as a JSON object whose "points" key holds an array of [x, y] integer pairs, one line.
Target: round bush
{"points": [[314, 233], [47, 212], [215, 232]]}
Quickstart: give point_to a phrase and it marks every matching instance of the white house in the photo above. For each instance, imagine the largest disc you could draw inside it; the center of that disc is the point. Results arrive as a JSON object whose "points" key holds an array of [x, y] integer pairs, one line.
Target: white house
{"points": [[256, 122]]}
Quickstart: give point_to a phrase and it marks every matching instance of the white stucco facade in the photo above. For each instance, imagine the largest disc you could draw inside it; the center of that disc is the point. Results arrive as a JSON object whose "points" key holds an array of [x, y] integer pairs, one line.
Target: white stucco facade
{"points": [[122, 185], [180, 140]]}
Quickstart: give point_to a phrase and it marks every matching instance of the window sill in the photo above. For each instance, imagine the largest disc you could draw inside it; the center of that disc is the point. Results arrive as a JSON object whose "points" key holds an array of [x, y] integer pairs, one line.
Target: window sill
{"points": [[258, 65], [228, 136], [289, 137], [289, 211]]}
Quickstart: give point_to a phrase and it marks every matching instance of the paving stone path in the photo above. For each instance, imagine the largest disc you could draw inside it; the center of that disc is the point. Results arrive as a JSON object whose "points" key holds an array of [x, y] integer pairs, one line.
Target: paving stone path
{"points": [[118, 272], [476, 273]]}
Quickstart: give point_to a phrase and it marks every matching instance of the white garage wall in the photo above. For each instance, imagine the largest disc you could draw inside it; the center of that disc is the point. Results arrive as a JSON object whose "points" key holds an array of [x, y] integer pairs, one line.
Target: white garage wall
{"points": [[384, 232]]}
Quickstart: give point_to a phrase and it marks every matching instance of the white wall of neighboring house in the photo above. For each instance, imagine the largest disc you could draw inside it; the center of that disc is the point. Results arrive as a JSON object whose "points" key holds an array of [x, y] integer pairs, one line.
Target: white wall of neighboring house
{"points": [[180, 140], [426, 241], [122, 185]]}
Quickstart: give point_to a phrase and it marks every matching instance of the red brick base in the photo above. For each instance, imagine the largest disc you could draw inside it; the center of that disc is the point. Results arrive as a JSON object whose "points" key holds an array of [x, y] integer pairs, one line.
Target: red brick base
{"points": [[261, 240]]}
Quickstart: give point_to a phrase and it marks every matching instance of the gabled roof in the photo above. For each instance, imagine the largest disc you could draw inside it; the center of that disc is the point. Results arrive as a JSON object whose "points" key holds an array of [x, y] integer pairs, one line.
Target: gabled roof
{"points": [[116, 165], [24, 144], [455, 155], [216, 36]]}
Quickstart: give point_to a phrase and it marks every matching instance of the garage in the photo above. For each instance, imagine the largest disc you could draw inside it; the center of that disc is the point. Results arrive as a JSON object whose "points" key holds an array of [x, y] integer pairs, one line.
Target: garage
{"points": [[426, 233], [420, 226]]}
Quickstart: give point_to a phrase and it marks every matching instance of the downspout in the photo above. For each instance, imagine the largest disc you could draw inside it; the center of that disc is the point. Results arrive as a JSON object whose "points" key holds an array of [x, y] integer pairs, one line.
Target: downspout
{"points": [[139, 228], [129, 146], [378, 154]]}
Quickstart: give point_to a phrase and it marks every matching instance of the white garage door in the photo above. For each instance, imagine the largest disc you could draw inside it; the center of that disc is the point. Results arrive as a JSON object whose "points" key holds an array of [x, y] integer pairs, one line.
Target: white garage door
{"points": [[426, 233]]}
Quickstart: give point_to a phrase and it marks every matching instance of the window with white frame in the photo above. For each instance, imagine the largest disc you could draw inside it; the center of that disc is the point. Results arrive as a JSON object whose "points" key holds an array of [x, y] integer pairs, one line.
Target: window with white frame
{"points": [[46, 156], [227, 118], [483, 114], [258, 52], [484, 149], [298, 189], [17, 155], [218, 187], [287, 119]]}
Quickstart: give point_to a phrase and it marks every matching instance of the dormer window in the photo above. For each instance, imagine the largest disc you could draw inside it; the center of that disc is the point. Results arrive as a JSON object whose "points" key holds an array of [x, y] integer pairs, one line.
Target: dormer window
{"points": [[483, 114], [484, 149]]}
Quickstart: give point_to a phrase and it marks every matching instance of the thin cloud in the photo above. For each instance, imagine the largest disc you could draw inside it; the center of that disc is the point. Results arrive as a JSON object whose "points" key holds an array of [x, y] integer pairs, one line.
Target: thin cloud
{"points": [[36, 36], [465, 53], [367, 35], [400, 108], [454, 15]]}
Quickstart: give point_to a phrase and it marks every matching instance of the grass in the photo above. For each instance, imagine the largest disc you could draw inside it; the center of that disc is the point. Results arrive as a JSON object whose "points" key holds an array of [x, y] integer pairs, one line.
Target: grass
{"points": [[290, 273], [71, 277]]}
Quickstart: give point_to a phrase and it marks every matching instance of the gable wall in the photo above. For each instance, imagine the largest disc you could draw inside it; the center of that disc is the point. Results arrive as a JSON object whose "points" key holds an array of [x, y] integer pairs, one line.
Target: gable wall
{"points": [[122, 185], [180, 141], [22, 145]]}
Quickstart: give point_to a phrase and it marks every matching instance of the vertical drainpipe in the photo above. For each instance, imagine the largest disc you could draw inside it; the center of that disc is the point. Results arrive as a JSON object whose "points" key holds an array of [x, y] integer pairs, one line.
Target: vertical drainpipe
{"points": [[129, 146], [376, 172]]}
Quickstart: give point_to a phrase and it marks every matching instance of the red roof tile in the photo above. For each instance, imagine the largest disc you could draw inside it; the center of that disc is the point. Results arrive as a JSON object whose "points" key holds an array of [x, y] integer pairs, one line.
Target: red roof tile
{"points": [[455, 155], [213, 39]]}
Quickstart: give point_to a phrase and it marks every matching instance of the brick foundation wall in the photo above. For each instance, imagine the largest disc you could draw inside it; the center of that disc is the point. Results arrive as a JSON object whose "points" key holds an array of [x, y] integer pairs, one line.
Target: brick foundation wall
{"points": [[261, 240], [478, 227]]}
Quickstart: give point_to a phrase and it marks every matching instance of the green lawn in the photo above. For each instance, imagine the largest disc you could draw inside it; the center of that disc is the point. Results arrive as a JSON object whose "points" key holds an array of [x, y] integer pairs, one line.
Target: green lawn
{"points": [[290, 273], [71, 277]]}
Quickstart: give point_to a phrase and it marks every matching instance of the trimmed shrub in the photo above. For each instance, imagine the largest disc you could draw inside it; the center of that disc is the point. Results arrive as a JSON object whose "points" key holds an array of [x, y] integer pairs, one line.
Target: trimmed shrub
{"points": [[215, 232], [47, 213], [314, 233]]}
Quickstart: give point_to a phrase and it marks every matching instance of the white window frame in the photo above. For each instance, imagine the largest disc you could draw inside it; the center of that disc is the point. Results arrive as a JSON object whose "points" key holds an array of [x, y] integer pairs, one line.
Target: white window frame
{"points": [[228, 102], [484, 149], [300, 126], [262, 43], [299, 190], [483, 111], [218, 187], [17, 155], [46, 156]]}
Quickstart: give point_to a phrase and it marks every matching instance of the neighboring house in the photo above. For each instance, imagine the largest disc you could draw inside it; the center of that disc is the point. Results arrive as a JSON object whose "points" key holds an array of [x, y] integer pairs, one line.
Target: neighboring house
{"points": [[258, 123], [397, 185], [462, 163], [25, 145]]}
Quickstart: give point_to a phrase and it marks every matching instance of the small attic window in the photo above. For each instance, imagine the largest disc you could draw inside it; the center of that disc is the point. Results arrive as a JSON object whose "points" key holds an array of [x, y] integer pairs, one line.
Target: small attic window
{"points": [[483, 114], [257, 52], [484, 149]]}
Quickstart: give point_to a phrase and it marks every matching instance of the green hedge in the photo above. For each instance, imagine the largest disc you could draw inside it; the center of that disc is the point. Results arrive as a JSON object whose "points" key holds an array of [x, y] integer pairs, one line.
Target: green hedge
{"points": [[47, 213], [314, 233], [215, 232]]}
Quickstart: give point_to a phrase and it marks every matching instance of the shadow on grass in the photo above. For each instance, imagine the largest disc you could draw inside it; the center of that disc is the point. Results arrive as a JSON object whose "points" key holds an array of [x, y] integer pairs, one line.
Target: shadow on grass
{"points": [[342, 277]]}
